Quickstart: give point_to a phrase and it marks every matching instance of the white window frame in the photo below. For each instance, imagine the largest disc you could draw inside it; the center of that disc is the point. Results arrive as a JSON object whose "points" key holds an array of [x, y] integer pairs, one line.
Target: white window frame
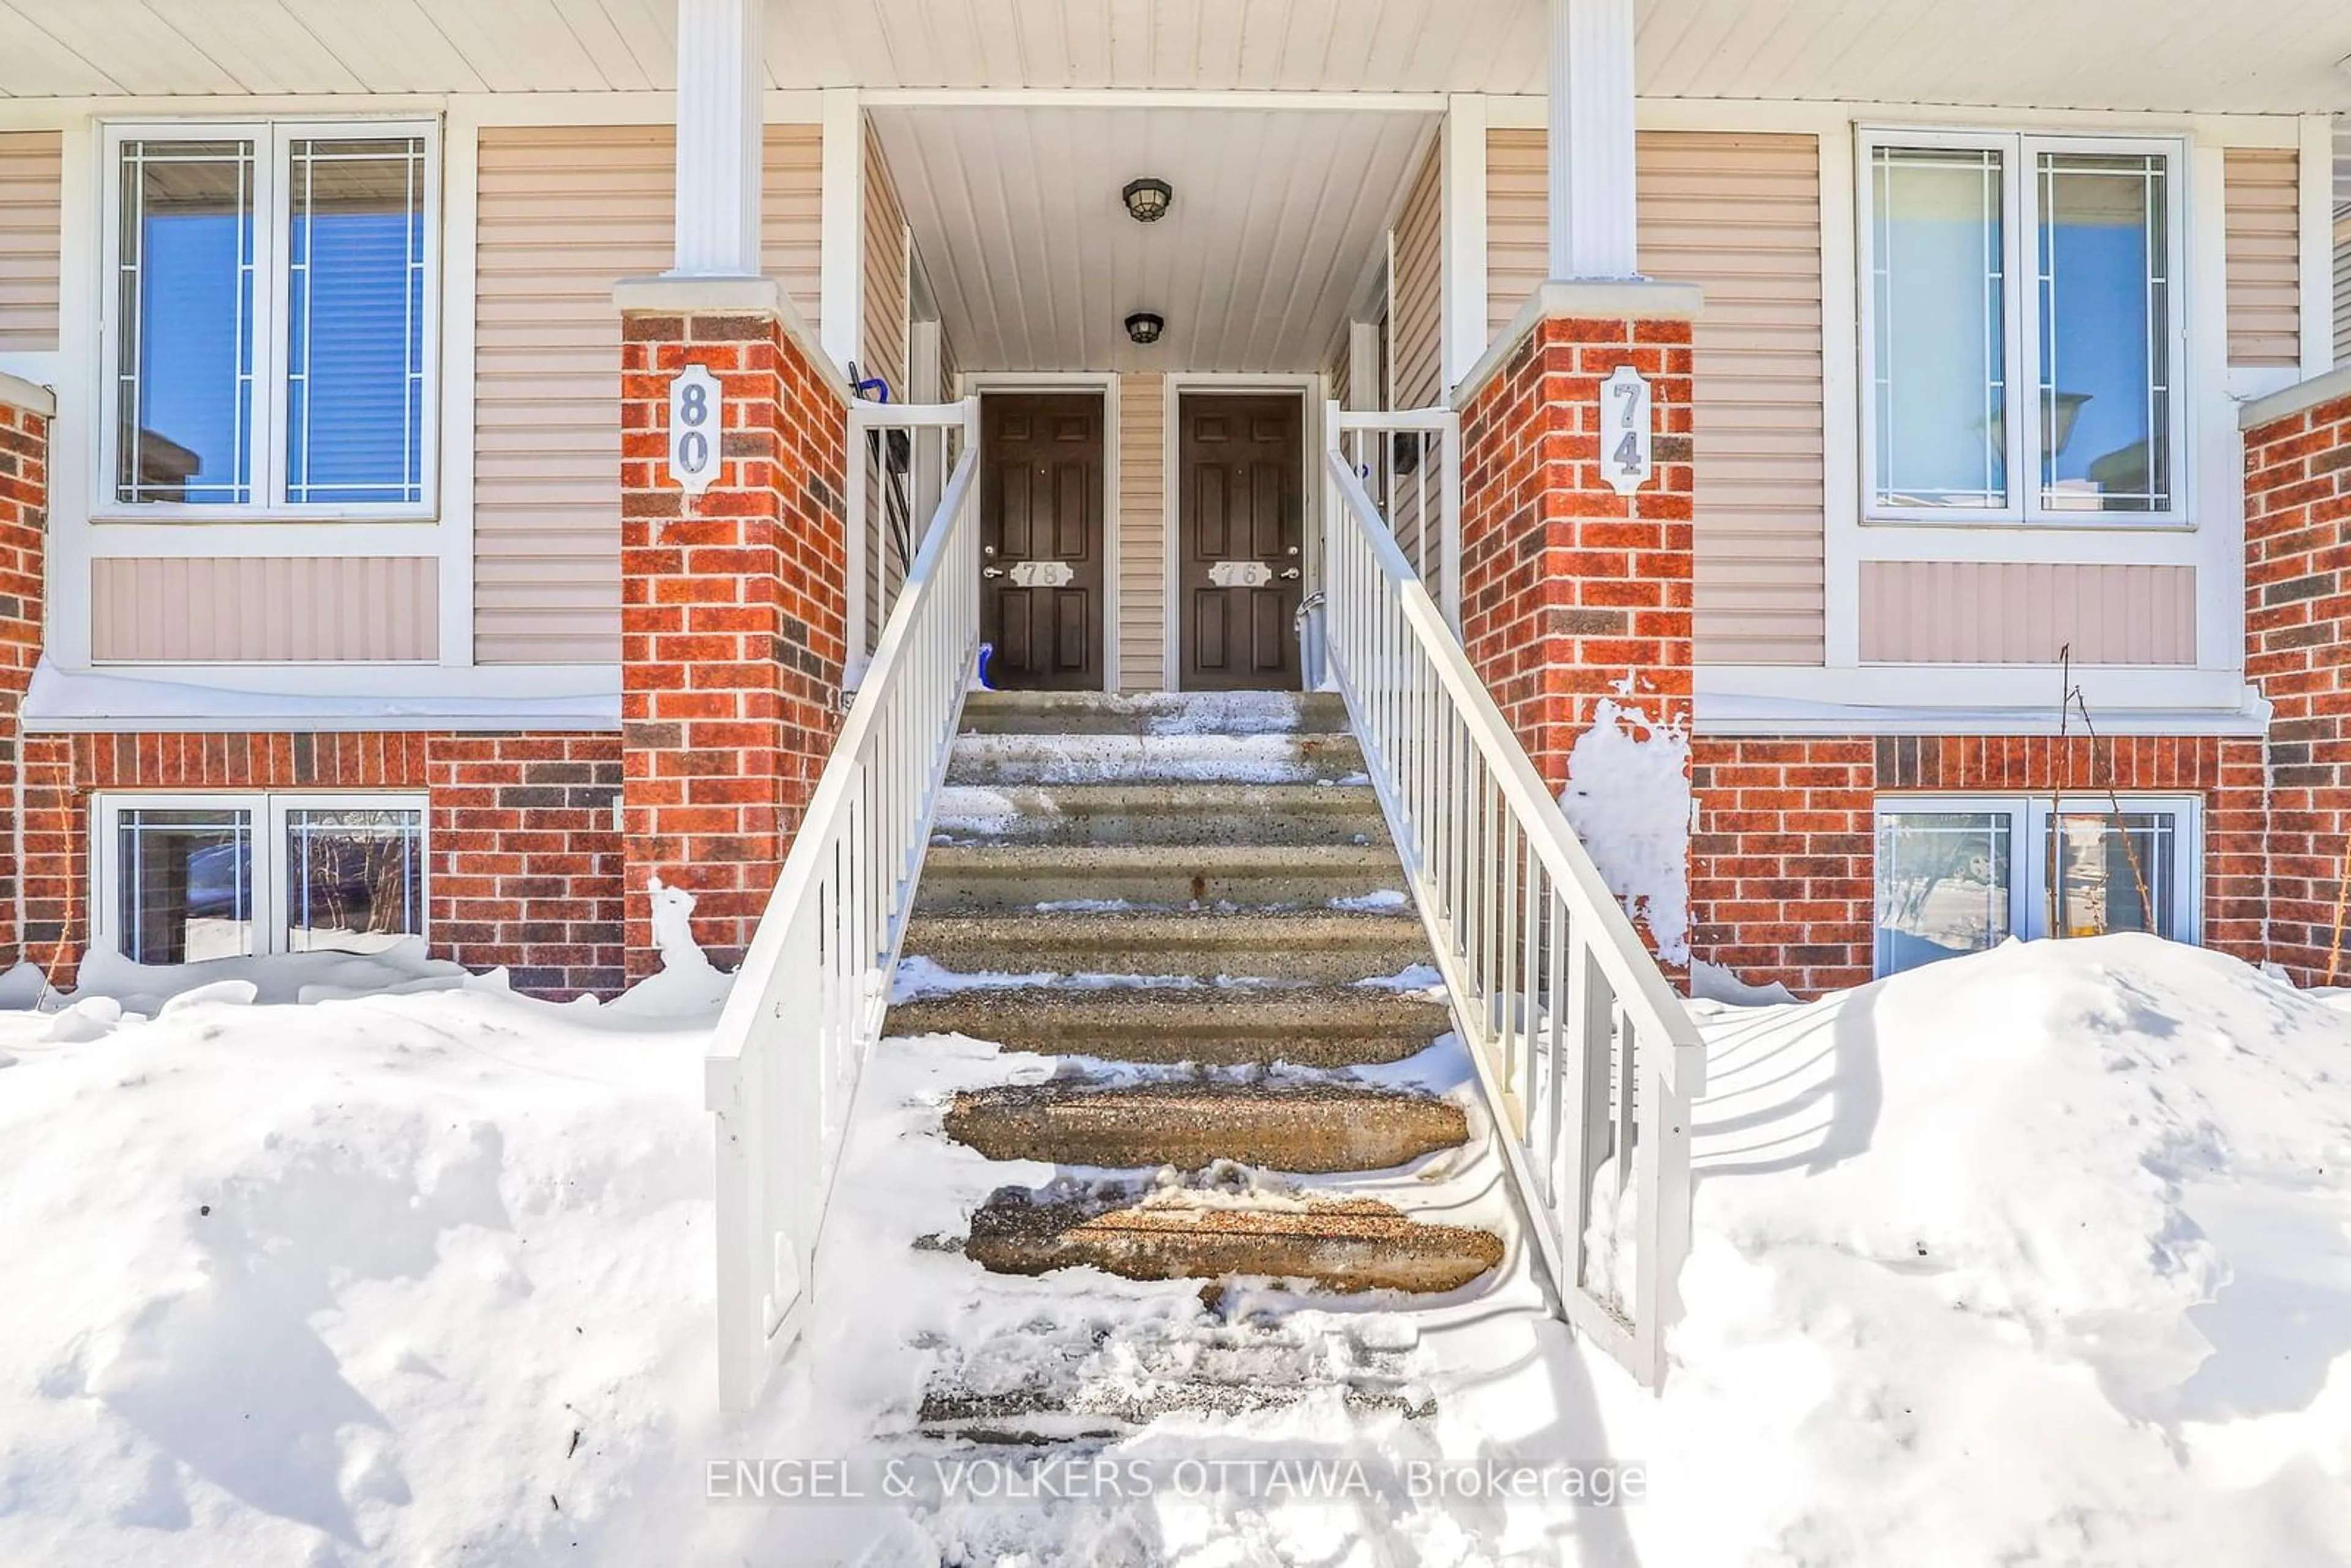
{"points": [[2028, 867], [2020, 321], [271, 897], [272, 140]]}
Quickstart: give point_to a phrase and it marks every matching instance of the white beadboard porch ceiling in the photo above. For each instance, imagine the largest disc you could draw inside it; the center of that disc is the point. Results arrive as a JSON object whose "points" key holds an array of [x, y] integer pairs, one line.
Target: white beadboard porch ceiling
{"points": [[1035, 265], [2244, 55]]}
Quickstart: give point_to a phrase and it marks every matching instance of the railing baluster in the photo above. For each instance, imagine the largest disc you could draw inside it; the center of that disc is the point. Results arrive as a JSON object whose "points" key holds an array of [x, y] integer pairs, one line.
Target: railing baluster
{"points": [[1584, 1051], [809, 1000]]}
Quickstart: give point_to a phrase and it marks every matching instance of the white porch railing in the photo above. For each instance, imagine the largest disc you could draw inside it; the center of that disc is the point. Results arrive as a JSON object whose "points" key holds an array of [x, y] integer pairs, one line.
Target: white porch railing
{"points": [[1587, 1056], [1409, 461], [807, 1004]]}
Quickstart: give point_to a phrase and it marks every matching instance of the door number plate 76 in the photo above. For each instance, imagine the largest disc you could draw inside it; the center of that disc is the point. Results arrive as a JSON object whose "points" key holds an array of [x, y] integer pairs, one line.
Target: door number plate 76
{"points": [[1241, 574]]}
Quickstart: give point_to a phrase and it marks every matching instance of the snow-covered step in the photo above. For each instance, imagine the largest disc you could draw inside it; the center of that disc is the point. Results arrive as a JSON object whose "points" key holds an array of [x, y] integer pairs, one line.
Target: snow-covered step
{"points": [[1321, 945], [1308, 1026], [1079, 759], [1153, 713], [1007, 877], [1160, 814], [1311, 1125], [1069, 1374]]}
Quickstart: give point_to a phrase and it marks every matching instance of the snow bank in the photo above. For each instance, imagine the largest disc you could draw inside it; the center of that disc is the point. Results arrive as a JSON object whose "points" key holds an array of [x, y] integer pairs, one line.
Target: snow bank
{"points": [[414, 1279], [2040, 1255]]}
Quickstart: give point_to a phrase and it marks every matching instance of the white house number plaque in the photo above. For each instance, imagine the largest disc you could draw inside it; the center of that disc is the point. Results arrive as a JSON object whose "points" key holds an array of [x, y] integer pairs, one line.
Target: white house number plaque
{"points": [[1625, 457], [696, 410]]}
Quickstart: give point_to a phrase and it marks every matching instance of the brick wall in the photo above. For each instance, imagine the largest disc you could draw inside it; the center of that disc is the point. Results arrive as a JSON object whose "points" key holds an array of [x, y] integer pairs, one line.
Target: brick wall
{"points": [[1783, 864], [24, 540], [526, 858], [2297, 647], [733, 619], [524, 855], [1570, 590]]}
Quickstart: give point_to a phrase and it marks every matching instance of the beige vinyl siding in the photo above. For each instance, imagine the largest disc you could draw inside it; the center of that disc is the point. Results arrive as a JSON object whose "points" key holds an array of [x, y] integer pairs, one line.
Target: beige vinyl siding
{"points": [[791, 203], [1517, 211], [2016, 613], [882, 334], [260, 609], [31, 164], [1739, 215], [1415, 368], [2263, 255], [1335, 372], [1142, 533], [561, 214]]}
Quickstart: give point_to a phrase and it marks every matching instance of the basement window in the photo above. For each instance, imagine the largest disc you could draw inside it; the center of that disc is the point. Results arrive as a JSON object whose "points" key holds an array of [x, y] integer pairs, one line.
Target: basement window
{"points": [[269, 325], [185, 878], [1960, 875]]}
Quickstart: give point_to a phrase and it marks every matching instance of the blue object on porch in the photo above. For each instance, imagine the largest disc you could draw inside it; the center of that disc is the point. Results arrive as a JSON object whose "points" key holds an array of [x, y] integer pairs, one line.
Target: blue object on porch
{"points": [[980, 671]]}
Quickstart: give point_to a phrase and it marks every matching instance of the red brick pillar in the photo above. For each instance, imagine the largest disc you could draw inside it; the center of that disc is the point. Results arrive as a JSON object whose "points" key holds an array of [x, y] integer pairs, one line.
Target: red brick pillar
{"points": [[1575, 599], [2297, 626], [25, 414], [733, 608], [1570, 592]]}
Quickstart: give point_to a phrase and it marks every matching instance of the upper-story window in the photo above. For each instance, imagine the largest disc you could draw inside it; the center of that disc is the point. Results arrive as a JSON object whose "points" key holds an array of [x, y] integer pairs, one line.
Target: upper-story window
{"points": [[269, 317], [2021, 328]]}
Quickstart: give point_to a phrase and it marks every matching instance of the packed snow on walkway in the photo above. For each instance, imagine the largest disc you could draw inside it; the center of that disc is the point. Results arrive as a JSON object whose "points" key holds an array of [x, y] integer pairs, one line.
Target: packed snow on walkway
{"points": [[2042, 1255]]}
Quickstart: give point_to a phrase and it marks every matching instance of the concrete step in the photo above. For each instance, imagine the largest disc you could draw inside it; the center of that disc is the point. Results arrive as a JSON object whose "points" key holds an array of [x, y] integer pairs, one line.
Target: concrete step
{"points": [[1321, 945], [1303, 758], [1333, 1244], [1152, 713], [976, 878], [1311, 1026], [1314, 1128], [1160, 814]]}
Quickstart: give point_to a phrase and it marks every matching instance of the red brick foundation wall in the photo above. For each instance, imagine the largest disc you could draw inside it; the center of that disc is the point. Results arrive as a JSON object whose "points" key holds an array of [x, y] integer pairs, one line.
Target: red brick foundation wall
{"points": [[1570, 591], [24, 540], [524, 856], [1782, 878], [2297, 647], [527, 858], [732, 620]]}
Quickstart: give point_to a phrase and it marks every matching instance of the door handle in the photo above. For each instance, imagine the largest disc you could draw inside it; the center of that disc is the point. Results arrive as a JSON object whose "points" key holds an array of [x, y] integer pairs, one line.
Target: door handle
{"points": [[1292, 575], [991, 571]]}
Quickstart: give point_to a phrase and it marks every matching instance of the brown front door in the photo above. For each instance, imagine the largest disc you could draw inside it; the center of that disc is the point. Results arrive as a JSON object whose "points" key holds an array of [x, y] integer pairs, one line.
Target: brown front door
{"points": [[1242, 540], [1040, 539]]}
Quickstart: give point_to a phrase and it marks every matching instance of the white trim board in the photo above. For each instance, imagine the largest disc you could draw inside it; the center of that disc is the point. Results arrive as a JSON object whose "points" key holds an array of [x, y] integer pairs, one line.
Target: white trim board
{"points": [[1970, 699]]}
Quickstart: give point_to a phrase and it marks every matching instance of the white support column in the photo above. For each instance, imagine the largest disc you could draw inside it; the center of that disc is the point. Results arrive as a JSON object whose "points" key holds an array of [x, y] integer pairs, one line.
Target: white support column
{"points": [[1463, 250], [840, 228], [2317, 212], [1591, 139], [1364, 383], [721, 58]]}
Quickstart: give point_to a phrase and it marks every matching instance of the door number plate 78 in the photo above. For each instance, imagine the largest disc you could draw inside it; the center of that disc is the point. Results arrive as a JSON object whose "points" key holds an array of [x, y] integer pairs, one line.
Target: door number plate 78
{"points": [[1043, 574]]}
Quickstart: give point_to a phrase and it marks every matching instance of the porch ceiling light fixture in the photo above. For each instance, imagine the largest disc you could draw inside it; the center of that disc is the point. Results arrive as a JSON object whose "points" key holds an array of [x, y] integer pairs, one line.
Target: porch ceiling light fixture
{"points": [[1145, 327], [1146, 200]]}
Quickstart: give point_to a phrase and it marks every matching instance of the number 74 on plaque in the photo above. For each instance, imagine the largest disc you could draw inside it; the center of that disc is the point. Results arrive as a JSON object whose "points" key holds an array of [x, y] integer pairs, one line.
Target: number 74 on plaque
{"points": [[1626, 415]]}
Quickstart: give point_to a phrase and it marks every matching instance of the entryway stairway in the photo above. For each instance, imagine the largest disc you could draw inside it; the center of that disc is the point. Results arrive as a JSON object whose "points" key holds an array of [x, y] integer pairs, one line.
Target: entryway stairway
{"points": [[1180, 898]]}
